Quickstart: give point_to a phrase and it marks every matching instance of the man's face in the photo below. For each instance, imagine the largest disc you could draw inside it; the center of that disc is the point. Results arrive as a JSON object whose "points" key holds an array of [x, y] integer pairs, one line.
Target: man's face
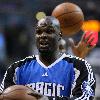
{"points": [[47, 37]]}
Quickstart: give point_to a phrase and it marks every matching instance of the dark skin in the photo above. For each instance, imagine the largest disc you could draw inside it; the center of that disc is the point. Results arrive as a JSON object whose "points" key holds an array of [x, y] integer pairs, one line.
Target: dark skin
{"points": [[47, 38]]}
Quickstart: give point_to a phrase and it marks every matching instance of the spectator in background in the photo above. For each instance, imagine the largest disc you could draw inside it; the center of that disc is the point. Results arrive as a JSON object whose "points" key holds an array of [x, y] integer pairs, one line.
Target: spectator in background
{"points": [[80, 49]]}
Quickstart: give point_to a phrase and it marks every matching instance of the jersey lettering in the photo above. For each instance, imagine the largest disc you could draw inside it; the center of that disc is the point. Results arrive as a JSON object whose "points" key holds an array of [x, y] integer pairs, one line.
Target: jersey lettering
{"points": [[48, 89]]}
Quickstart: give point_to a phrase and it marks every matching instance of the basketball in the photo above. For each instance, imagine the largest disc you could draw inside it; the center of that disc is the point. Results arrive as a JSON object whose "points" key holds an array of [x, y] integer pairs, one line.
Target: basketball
{"points": [[70, 17], [17, 92]]}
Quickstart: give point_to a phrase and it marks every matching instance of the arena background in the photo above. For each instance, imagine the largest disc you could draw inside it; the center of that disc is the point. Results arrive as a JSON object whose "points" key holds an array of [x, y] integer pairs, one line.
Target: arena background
{"points": [[17, 22]]}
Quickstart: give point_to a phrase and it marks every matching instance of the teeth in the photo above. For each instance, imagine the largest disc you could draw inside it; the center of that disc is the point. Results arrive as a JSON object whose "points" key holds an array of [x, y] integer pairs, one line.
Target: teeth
{"points": [[43, 45]]}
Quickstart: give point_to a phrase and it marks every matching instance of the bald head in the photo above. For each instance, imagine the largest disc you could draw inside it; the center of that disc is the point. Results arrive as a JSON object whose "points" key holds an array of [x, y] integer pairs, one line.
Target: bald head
{"points": [[49, 21]]}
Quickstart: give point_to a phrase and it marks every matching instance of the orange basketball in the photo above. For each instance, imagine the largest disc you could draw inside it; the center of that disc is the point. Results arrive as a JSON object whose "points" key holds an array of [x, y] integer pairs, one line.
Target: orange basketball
{"points": [[70, 17], [17, 92]]}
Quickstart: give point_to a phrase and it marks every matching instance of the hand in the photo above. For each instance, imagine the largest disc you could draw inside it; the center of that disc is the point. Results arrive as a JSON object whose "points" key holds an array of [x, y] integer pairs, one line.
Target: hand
{"points": [[83, 47], [1, 96], [38, 96], [25, 93]]}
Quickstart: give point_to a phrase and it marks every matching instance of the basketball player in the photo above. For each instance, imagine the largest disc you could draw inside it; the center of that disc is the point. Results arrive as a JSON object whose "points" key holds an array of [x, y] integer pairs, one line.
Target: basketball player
{"points": [[62, 77], [81, 49]]}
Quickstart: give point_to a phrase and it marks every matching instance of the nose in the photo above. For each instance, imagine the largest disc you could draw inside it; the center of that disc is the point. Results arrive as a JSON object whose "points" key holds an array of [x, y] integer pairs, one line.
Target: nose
{"points": [[44, 35]]}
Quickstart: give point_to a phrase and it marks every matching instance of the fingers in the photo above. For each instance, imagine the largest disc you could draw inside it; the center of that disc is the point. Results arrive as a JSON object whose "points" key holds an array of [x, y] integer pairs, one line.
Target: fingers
{"points": [[36, 95], [83, 36], [89, 42], [90, 47], [87, 36]]}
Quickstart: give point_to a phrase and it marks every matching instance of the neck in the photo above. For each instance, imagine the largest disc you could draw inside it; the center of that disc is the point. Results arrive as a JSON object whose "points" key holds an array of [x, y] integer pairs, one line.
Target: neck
{"points": [[48, 58]]}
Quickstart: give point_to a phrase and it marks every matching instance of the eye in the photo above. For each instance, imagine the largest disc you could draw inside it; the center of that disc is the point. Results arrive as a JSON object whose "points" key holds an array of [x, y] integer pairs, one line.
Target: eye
{"points": [[38, 31], [50, 31]]}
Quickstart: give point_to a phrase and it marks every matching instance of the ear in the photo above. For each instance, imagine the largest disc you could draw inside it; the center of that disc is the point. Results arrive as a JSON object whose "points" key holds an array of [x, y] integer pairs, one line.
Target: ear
{"points": [[60, 36]]}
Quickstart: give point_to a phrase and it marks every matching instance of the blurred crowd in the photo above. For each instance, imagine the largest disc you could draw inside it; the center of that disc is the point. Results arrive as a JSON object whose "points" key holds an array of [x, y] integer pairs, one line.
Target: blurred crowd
{"points": [[17, 23]]}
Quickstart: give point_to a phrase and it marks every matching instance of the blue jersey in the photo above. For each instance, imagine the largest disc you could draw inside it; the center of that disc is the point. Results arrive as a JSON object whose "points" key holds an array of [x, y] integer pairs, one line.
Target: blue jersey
{"points": [[54, 80], [67, 76]]}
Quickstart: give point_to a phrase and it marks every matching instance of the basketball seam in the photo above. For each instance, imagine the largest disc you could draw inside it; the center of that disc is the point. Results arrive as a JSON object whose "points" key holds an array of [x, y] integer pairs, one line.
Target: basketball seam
{"points": [[66, 13], [73, 24]]}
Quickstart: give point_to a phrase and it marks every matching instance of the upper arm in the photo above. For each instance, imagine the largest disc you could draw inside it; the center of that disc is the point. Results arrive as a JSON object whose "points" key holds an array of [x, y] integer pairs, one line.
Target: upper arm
{"points": [[84, 81], [8, 79], [12, 75]]}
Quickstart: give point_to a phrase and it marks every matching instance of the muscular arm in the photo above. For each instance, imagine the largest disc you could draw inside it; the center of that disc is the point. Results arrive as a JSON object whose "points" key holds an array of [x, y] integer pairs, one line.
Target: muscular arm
{"points": [[8, 79], [11, 76], [84, 85]]}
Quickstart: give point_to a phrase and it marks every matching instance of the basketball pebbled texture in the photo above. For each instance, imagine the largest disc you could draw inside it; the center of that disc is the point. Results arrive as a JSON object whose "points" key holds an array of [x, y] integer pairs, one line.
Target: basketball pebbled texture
{"points": [[17, 92], [70, 17]]}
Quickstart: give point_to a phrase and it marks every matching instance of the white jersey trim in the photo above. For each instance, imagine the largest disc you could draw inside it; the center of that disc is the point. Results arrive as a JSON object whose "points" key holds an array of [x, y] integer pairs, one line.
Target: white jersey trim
{"points": [[38, 60]]}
